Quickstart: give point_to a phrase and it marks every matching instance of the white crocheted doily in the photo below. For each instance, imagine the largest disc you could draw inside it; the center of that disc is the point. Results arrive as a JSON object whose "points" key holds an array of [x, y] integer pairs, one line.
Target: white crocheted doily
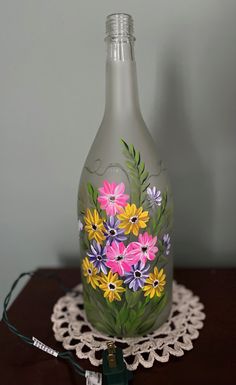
{"points": [[71, 327]]}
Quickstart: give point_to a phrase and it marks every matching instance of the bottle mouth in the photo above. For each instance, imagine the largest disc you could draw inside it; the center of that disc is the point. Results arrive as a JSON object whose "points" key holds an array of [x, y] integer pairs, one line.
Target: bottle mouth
{"points": [[120, 25]]}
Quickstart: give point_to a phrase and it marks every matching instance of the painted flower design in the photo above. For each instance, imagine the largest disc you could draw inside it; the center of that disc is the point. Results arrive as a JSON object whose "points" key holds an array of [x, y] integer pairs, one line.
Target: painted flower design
{"points": [[155, 283], [145, 248], [132, 219], [154, 196], [98, 257], [112, 286], [112, 197], [166, 243], [119, 259], [90, 272], [94, 226], [137, 276], [113, 232], [122, 238]]}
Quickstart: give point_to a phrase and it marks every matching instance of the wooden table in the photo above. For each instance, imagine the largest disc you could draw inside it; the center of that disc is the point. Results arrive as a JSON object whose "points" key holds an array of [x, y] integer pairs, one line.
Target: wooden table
{"points": [[211, 362]]}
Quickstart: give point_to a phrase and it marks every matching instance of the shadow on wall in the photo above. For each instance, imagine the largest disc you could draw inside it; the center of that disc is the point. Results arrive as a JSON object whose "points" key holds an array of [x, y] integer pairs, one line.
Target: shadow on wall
{"points": [[190, 179], [69, 259]]}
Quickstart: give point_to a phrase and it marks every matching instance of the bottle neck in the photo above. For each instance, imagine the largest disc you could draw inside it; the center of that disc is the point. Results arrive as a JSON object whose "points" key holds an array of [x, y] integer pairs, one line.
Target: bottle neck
{"points": [[121, 79]]}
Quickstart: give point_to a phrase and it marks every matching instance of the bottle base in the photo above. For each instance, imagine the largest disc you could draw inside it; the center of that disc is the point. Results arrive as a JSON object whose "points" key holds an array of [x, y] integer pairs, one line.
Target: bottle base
{"points": [[122, 321]]}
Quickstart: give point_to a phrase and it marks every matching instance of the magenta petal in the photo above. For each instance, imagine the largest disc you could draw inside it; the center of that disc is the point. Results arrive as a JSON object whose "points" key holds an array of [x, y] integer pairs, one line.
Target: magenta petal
{"points": [[133, 246], [101, 190], [126, 266], [109, 264], [113, 210], [153, 242], [120, 269], [121, 247], [133, 259], [151, 256], [118, 208], [120, 188], [112, 188], [121, 201], [110, 252], [144, 238], [143, 262], [110, 209], [129, 248], [154, 239], [112, 265], [116, 248], [107, 188], [103, 205], [103, 200]]}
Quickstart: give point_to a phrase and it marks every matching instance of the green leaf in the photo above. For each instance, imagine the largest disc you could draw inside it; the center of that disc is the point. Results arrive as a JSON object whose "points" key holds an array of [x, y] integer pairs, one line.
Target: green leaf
{"points": [[113, 306], [147, 299], [99, 311], [137, 158], [138, 175], [93, 196], [125, 144], [122, 316], [162, 260], [141, 167], [106, 329], [146, 326], [90, 188], [152, 310], [144, 177], [132, 297], [145, 186], [85, 242], [132, 150], [130, 166]]}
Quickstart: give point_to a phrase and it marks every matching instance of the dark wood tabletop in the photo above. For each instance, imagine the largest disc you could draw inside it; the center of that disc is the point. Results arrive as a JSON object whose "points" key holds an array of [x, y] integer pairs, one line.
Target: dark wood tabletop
{"points": [[210, 362]]}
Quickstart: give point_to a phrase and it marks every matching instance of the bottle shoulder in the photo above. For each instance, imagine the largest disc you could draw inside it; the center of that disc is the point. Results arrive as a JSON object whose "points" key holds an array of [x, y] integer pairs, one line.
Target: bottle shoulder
{"points": [[120, 144], [132, 130]]}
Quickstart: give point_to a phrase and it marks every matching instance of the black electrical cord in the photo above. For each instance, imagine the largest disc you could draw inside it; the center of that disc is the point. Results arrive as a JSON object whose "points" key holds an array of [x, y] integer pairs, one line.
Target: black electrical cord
{"points": [[63, 355]]}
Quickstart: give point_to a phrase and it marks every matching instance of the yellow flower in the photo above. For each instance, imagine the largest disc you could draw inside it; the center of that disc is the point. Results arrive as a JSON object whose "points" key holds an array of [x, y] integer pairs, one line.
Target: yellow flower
{"points": [[155, 283], [132, 219], [94, 226], [112, 286], [90, 272]]}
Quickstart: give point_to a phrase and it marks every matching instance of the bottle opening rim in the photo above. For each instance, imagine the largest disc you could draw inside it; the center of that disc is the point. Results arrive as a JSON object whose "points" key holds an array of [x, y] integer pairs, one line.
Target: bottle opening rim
{"points": [[119, 25]]}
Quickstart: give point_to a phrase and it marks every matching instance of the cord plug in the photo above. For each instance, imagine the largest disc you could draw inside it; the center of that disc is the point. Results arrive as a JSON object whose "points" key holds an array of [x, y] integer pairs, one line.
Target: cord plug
{"points": [[113, 366]]}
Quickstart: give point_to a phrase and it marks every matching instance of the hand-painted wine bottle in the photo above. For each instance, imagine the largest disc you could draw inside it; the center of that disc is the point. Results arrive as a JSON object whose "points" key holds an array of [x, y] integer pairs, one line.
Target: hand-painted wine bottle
{"points": [[124, 206]]}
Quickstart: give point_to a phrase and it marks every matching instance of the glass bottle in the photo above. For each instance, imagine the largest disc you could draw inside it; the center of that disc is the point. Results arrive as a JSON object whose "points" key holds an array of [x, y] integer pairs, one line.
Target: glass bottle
{"points": [[124, 206]]}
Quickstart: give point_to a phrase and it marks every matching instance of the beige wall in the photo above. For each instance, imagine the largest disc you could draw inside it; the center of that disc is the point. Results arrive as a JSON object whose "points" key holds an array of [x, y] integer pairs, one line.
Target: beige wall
{"points": [[51, 102]]}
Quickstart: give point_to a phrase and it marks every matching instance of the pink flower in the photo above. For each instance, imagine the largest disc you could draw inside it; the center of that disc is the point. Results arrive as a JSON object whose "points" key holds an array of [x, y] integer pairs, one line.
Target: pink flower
{"points": [[145, 248], [112, 197], [119, 258]]}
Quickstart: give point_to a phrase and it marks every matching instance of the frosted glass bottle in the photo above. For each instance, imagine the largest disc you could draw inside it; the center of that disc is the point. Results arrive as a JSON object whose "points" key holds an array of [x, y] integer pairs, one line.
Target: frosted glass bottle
{"points": [[124, 207]]}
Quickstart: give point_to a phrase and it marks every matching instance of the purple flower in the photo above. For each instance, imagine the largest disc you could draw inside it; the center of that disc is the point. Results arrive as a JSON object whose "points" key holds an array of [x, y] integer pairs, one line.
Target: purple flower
{"points": [[137, 276], [113, 233], [166, 243], [80, 226], [98, 257], [154, 196]]}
